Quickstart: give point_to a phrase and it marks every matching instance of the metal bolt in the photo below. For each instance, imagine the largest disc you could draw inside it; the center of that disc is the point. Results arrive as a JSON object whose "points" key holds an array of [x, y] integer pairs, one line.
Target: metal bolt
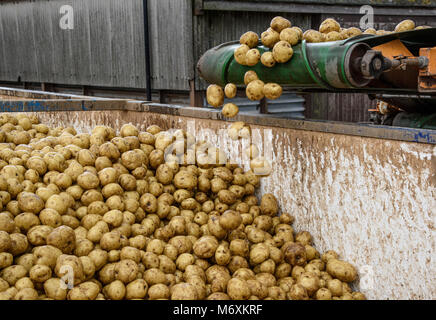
{"points": [[377, 64]]}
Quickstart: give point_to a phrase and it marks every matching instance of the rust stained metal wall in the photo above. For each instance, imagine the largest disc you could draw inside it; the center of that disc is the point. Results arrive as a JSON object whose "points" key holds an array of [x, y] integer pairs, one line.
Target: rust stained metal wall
{"points": [[371, 200]]}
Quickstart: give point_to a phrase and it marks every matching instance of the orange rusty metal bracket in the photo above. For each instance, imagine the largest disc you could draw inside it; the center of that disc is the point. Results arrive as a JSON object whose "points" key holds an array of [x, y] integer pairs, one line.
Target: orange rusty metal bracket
{"points": [[393, 49], [427, 75]]}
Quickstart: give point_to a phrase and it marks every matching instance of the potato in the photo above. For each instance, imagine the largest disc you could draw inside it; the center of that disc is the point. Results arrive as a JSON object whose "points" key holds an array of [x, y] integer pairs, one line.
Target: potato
{"points": [[40, 273], [370, 31], [37, 235], [254, 90], [270, 37], [405, 25], [333, 36], [230, 220], [71, 267], [290, 35], [13, 273], [310, 282], [205, 247], [313, 36], [304, 238], [298, 292], [250, 39], [282, 51], [279, 23], [115, 291], [7, 224], [330, 254], [19, 244], [184, 260], [249, 76], [184, 291], [136, 289], [110, 241], [258, 253], [240, 55], [46, 255], [5, 241], [88, 267], [30, 202], [218, 296], [252, 57], [158, 291], [352, 32], [126, 270], [26, 294], [154, 276], [230, 90], [238, 289], [215, 95], [341, 270], [272, 91], [267, 59], [268, 205], [185, 180], [63, 238], [23, 283], [55, 289], [6, 260], [84, 291], [133, 159], [230, 110], [128, 130], [329, 25]]}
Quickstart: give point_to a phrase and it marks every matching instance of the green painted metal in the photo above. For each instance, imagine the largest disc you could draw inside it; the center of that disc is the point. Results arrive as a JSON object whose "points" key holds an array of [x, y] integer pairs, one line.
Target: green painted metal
{"points": [[415, 120], [313, 65]]}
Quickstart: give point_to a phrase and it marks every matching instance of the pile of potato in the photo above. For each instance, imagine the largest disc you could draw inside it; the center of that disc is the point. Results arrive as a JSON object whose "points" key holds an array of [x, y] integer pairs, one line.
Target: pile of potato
{"points": [[108, 216], [279, 38]]}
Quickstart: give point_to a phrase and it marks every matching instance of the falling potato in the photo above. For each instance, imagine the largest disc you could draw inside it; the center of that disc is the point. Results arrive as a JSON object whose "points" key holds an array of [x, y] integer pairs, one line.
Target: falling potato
{"points": [[267, 59], [252, 152], [230, 90], [405, 25], [272, 90], [215, 95], [250, 38], [250, 76], [270, 37], [282, 52], [241, 54], [252, 57], [234, 128], [261, 166], [279, 23], [290, 35], [245, 132], [329, 25], [230, 110], [254, 90]]}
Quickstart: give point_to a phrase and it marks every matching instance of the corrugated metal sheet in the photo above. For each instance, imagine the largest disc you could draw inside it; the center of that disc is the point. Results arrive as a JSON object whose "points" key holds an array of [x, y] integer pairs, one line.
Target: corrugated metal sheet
{"points": [[105, 48], [289, 105]]}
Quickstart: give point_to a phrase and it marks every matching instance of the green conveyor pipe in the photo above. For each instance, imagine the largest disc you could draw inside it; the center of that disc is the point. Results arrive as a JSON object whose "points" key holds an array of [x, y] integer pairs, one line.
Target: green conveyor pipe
{"points": [[324, 65]]}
